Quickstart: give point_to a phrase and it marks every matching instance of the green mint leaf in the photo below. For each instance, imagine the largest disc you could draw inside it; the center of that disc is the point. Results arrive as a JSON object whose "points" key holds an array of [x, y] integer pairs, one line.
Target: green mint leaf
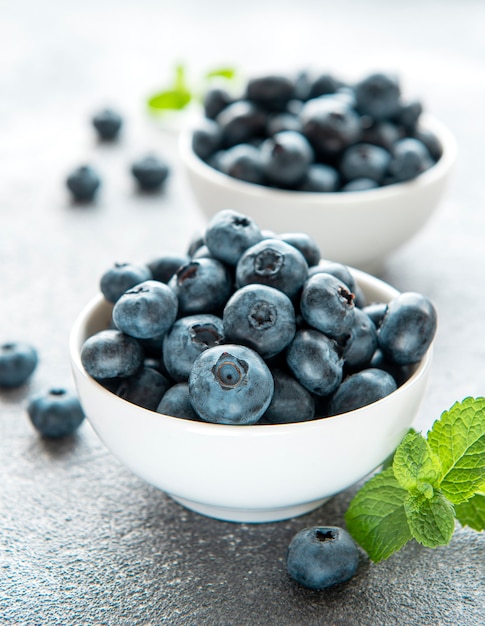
{"points": [[229, 73], [376, 518], [416, 466], [458, 438], [431, 520], [170, 100], [390, 459], [472, 512]]}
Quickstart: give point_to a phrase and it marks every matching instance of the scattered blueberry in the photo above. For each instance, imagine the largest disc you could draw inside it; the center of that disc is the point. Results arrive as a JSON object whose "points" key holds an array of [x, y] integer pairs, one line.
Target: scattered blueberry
{"points": [[150, 172], [83, 183], [18, 361], [107, 124], [322, 556], [55, 413]]}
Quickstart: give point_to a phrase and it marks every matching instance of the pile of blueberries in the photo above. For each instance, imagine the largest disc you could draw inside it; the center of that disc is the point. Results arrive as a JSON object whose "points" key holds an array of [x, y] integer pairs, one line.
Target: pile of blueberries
{"points": [[252, 327], [150, 171], [316, 133]]}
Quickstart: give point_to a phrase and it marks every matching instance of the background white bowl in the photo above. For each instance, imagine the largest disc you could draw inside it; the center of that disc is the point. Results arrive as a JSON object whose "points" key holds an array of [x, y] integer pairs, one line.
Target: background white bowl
{"points": [[359, 228], [247, 473]]}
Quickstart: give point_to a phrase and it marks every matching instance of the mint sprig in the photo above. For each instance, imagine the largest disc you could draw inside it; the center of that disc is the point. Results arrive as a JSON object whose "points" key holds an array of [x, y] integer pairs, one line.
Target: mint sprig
{"points": [[432, 482]]}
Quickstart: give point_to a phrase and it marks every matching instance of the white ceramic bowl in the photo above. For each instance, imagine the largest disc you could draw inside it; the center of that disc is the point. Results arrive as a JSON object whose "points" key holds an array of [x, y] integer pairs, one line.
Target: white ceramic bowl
{"points": [[247, 473], [359, 228]]}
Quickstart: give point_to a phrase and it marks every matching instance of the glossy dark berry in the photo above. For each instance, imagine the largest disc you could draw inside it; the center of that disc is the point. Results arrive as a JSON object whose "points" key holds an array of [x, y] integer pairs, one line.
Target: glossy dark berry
{"points": [[111, 354], [364, 160], [230, 384], [215, 100], [230, 233], [305, 244], [176, 402], [410, 157], [55, 413], [360, 184], [206, 138], [83, 183], [107, 124], [285, 157], [165, 266], [145, 388], [242, 162], [271, 92], [361, 342], [18, 361], [360, 389], [240, 122], [320, 178], [291, 402], [150, 172], [378, 95], [322, 556]]}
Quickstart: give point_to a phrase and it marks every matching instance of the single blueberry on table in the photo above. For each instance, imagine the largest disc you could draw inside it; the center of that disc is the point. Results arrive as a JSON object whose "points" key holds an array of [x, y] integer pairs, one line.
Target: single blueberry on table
{"points": [[150, 172], [360, 389], [165, 266], [111, 354], [291, 402], [315, 361], [408, 328], [274, 263], [146, 310], [327, 304], [322, 556], [121, 277], [18, 361], [107, 124], [230, 384], [378, 95], [260, 317], [83, 183], [176, 402], [188, 337], [55, 413], [285, 158], [145, 388], [230, 233], [202, 286]]}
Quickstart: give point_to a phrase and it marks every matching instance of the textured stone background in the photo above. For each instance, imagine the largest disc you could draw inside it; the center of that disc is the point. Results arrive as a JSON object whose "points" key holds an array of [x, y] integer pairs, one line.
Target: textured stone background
{"points": [[83, 541]]}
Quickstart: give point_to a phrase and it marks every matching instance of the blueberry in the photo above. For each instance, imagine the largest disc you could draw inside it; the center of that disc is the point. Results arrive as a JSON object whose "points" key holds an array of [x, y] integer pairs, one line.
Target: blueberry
{"points": [[378, 95], [291, 402], [107, 124], [431, 141], [206, 138], [376, 312], [361, 343], [201, 286], [400, 373], [55, 413], [410, 157], [165, 266], [150, 172], [282, 121], [286, 157], [260, 317], [240, 122], [271, 92], [360, 184], [408, 328], [315, 361], [383, 134], [215, 100], [339, 270], [330, 125], [322, 556], [83, 183], [364, 160], [324, 84], [18, 361], [274, 263], [242, 161], [230, 384], [121, 277], [187, 338], [176, 402], [111, 353], [229, 233], [145, 388], [408, 115], [320, 178], [146, 310], [327, 304], [305, 244], [360, 389]]}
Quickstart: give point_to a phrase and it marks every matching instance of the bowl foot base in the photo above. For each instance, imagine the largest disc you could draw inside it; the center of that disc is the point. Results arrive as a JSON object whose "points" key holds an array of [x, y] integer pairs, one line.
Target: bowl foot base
{"points": [[251, 516]]}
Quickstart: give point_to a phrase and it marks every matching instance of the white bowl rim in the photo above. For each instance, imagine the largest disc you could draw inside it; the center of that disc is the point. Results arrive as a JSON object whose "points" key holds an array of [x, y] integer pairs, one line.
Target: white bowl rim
{"points": [[77, 337], [435, 172]]}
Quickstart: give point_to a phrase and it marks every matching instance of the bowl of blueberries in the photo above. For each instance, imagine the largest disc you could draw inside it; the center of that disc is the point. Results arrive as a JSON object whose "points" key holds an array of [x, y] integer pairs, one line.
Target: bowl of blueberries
{"points": [[357, 164], [253, 380]]}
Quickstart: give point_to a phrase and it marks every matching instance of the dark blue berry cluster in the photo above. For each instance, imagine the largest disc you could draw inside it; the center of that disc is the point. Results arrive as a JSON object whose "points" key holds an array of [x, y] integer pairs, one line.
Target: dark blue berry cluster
{"points": [[149, 171], [252, 327], [316, 133]]}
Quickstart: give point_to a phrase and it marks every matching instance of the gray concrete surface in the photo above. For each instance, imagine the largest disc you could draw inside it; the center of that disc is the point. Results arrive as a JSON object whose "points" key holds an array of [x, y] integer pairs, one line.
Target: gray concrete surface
{"points": [[83, 541]]}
